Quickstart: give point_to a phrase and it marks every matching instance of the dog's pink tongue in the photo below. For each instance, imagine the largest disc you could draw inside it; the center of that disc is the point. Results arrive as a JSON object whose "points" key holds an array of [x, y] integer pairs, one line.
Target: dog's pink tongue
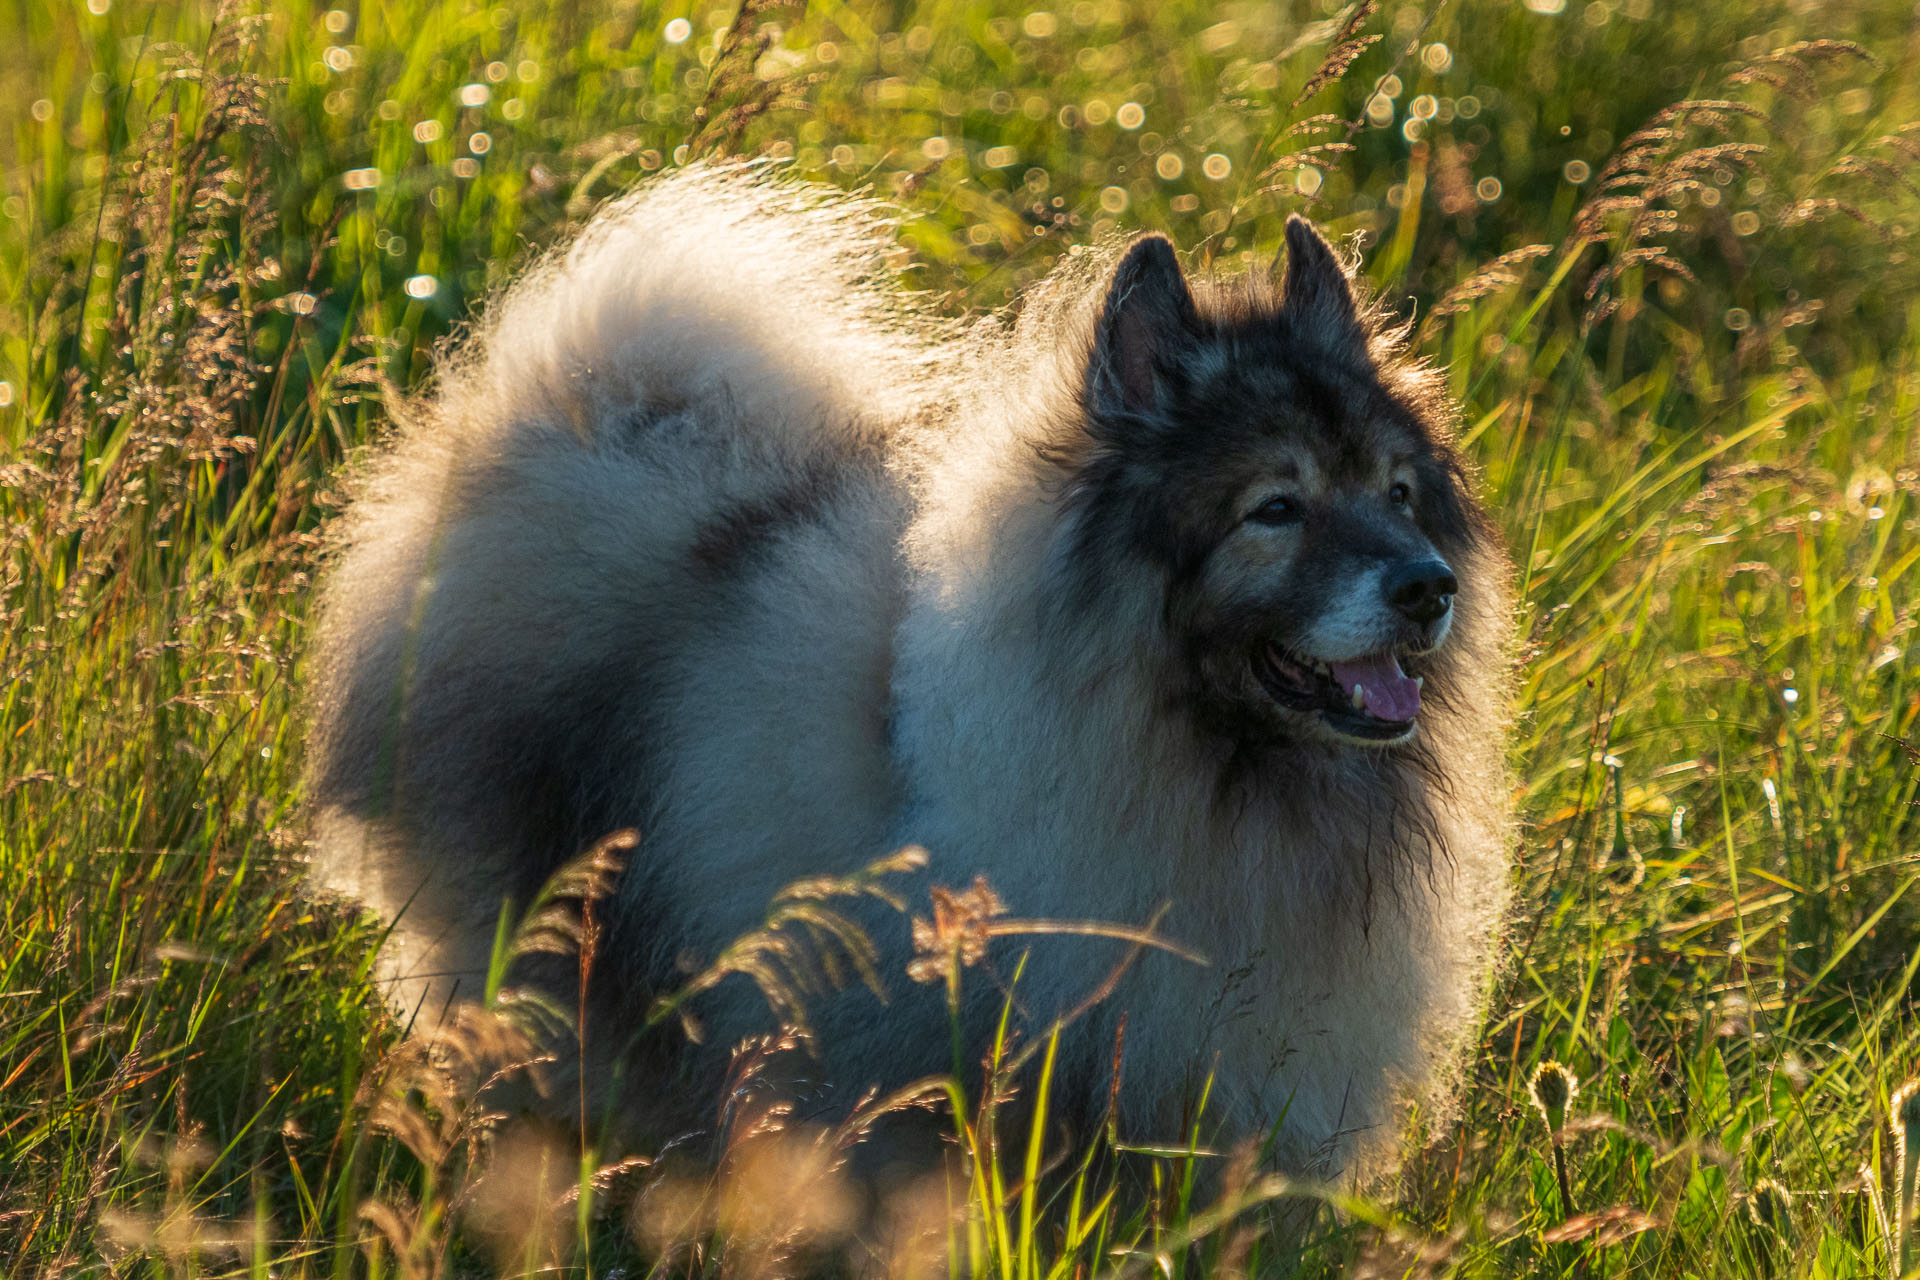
{"points": [[1389, 692]]}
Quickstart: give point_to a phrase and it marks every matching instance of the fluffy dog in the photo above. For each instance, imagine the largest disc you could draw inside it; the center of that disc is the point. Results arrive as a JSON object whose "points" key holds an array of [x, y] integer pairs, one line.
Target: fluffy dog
{"points": [[1166, 592]]}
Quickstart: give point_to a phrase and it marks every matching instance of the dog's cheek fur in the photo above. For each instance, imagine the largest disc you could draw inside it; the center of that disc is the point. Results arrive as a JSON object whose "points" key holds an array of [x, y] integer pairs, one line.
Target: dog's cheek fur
{"points": [[1444, 509]]}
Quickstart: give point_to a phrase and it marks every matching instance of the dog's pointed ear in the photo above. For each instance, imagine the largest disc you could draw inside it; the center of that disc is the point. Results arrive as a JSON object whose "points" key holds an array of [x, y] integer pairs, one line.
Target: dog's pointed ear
{"points": [[1147, 324], [1316, 296]]}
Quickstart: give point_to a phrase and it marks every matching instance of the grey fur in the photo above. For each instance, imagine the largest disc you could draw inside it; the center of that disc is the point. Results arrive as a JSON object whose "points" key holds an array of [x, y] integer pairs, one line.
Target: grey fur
{"points": [[708, 532]]}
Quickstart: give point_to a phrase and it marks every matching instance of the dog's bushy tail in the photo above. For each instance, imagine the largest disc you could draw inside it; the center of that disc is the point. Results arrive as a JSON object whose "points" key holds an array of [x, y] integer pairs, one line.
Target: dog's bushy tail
{"points": [[514, 554]]}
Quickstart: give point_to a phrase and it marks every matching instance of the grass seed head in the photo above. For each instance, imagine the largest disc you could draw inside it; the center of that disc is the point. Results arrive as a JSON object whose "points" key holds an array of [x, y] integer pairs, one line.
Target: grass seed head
{"points": [[1553, 1089], [1770, 1205]]}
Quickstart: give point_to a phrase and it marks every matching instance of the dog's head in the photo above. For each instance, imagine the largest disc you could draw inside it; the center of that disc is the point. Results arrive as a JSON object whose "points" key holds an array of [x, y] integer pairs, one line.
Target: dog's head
{"points": [[1294, 489]]}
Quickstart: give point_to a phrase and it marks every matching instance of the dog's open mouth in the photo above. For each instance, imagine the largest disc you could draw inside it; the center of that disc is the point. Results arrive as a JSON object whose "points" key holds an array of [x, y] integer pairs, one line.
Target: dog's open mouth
{"points": [[1366, 697]]}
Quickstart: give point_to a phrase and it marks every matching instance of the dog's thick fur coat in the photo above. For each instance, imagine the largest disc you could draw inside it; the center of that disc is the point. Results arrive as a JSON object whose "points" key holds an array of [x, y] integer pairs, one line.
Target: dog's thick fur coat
{"points": [[708, 532]]}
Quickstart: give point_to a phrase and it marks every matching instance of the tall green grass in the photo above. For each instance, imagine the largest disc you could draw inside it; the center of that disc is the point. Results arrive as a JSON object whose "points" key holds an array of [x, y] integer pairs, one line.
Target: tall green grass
{"points": [[1685, 346]]}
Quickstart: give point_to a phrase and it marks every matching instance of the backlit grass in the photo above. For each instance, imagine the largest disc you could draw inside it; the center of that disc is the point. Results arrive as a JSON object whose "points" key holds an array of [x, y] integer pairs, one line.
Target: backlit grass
{"points": [[1685, 342]]}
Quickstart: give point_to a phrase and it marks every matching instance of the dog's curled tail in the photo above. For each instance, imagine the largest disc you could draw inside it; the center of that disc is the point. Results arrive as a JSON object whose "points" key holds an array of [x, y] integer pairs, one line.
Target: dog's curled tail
{"points": [[715, 280]]}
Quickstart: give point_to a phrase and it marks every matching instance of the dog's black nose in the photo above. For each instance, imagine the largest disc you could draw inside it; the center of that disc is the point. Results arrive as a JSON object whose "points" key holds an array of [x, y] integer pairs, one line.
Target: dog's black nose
{"points": [[1422, 590]]}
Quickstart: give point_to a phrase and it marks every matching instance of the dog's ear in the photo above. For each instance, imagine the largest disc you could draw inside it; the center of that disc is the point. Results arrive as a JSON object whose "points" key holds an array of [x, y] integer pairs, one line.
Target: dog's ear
{"points": [[1316, 298], [1148, 324]]}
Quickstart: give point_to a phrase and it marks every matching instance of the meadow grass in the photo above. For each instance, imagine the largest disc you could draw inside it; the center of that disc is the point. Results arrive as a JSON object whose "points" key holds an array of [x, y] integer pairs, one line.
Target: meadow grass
{"points": [[1685, 342]]}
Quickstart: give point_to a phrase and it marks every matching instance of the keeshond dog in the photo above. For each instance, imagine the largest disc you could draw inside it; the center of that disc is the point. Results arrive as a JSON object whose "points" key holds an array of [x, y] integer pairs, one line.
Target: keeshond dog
{"points": [[1166, 593]]}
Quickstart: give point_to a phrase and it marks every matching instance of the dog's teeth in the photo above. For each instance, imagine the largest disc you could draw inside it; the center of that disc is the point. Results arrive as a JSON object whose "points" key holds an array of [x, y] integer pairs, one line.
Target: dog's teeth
{"points": [[1359, 698], [1419, 682]]}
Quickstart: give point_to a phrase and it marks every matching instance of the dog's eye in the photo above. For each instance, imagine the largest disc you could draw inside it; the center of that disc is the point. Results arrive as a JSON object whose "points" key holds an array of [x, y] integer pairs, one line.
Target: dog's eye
{"points": [[1278, 509], [1400, 494]]}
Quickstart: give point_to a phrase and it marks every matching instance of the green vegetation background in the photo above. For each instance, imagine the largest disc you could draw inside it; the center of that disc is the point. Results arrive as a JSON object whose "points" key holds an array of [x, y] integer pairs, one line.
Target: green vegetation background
{"points": [[1685, 340]]}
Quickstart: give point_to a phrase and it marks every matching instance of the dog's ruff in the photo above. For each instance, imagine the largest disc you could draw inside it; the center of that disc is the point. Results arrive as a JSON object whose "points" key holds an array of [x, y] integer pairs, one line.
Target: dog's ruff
{"points": [[708, 531]]}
